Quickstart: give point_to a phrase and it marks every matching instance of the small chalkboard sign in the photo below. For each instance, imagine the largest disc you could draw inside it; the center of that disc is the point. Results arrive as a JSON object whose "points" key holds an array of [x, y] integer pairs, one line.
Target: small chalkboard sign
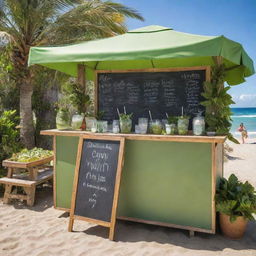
{"points": [[97, 181]]}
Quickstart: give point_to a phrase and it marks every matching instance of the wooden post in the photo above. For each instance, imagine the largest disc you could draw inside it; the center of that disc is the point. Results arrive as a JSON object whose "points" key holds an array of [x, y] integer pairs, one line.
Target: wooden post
{"points": [[7, 192], [81, 75], [218, 60], [191, 233]]}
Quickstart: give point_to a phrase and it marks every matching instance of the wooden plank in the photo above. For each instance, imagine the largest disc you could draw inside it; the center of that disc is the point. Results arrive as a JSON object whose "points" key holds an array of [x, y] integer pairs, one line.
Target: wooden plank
{"points": [[62, 209], [213, 187], [7, 192], [54, 171], [17, 182], [218, 60], [117, 187], [164, 224], [96, 91], [152, 70], [74, 190], [208, 74], [10, 172], [191, 233], [81, 74], [42, 177], [17, 196], [98, 222], [132, 136]]}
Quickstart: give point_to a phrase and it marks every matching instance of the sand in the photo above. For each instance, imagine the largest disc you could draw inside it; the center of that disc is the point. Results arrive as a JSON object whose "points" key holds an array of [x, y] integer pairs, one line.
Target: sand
{"points": [[42, 231]]}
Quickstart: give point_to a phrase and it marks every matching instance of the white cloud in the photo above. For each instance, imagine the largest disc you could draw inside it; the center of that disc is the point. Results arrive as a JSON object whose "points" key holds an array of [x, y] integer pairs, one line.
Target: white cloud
{"points": [[244, 100], [247, 97]]}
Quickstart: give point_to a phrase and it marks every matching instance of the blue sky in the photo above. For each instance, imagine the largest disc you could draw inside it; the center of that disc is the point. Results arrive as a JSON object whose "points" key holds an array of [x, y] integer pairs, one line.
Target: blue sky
{"points": [[235, 19]]}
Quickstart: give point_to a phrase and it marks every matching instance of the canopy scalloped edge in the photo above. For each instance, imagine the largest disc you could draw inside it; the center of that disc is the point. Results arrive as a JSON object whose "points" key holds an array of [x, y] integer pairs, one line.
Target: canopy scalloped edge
{"points": [[144, 48]]}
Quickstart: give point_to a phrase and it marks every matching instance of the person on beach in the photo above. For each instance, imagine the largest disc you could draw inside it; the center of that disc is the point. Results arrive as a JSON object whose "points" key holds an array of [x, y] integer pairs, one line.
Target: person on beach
{"points": [[243, 131]]}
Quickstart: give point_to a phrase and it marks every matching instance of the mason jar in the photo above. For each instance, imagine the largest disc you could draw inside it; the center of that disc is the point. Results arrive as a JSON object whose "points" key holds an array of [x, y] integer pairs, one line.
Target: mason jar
{"points": [[183, 123], [126, 125], [62, 120], [76, 121]]}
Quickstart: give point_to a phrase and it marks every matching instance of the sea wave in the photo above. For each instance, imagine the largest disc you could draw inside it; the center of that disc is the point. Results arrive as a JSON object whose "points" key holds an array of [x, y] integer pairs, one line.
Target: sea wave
{"points": [[245, 116], [249, 133]]}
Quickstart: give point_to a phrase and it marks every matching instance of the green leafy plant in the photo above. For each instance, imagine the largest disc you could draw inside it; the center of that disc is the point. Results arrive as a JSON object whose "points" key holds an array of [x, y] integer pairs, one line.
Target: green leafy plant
{"points": [[125, 122], [183, 117], [235, 198], [31, 155], [76, 94], [27, 23], [99, 115], [124, 117], [173, 120], [9, 134], [217, 102]]}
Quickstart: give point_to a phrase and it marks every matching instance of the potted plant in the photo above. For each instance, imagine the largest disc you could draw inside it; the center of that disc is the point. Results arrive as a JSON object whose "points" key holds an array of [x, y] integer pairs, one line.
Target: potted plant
{"points": [[125, 123], [236, 203], [79, 99]]}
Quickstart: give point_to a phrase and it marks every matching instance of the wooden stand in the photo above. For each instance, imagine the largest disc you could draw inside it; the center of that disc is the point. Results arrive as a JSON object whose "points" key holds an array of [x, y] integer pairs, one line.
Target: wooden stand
{"points": [[37, 174]]}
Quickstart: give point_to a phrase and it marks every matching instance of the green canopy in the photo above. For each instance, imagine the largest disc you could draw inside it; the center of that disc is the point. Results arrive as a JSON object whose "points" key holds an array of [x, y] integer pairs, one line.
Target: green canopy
{"points": [[147, 47]]}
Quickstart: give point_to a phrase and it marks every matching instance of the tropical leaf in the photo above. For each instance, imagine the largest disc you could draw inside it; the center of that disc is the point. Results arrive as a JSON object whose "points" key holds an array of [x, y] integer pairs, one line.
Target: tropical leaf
{"points": [[235, 198]]}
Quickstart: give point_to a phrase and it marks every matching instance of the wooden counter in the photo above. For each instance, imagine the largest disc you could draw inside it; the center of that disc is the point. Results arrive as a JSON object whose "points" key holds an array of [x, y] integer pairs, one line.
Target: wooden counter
{"points": [[133, 136], [167, 180]]}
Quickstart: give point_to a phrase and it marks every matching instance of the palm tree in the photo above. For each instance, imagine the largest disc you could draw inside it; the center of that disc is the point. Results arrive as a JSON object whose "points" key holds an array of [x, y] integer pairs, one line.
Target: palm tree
{"points": [[29, 23]]}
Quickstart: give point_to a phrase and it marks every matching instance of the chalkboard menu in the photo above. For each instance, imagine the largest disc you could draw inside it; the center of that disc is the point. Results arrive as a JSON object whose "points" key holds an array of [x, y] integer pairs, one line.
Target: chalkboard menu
{"points": [[159, 92], [98, 171]]}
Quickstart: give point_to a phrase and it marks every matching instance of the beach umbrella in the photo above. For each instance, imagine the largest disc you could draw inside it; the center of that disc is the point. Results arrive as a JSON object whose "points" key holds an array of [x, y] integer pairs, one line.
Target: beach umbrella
{"points": [[148, 47]]}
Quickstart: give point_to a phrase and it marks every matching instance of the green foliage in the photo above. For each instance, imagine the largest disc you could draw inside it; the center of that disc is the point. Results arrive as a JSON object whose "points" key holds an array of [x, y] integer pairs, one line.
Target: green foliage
{"points": [[34, 154], [27, 23], [76, 95], [99, 115], [9, 135], [235, 198], [9, 93], [183, 117], [173, 119], [125, 117], [217, 102]]}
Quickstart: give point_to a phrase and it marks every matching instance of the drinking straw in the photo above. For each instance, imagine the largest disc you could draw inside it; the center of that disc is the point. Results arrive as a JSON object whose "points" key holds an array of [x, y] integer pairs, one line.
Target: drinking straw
{"points": [[124, 110], [166, 115], [150, 115], [118, 112]]}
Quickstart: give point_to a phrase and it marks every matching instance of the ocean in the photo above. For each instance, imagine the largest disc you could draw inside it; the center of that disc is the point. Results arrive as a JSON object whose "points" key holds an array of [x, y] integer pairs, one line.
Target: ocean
{"points": [[247, 116]]}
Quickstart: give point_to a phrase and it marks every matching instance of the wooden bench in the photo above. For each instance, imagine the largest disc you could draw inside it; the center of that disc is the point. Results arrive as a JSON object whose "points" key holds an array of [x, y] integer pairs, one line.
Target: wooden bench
{"points": [[29, 186]]}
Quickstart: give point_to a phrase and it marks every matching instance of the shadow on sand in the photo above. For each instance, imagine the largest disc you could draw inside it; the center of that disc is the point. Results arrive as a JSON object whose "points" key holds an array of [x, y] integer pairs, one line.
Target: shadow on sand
{"points": [[233, 157], [138, 232], [43, 199]]}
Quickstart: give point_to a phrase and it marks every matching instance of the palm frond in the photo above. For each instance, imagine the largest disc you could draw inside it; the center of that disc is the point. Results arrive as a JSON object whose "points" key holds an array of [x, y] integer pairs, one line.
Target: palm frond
{"points": [[90, 20]]}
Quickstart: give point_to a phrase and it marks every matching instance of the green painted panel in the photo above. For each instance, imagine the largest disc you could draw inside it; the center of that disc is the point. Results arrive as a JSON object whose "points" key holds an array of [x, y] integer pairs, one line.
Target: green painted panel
{"points": [[161, 181], [66, 151], [167, 182]]}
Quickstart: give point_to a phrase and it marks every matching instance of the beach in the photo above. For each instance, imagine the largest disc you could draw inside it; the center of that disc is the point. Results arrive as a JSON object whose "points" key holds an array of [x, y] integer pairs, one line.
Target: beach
{"points": [[42, 230]]}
